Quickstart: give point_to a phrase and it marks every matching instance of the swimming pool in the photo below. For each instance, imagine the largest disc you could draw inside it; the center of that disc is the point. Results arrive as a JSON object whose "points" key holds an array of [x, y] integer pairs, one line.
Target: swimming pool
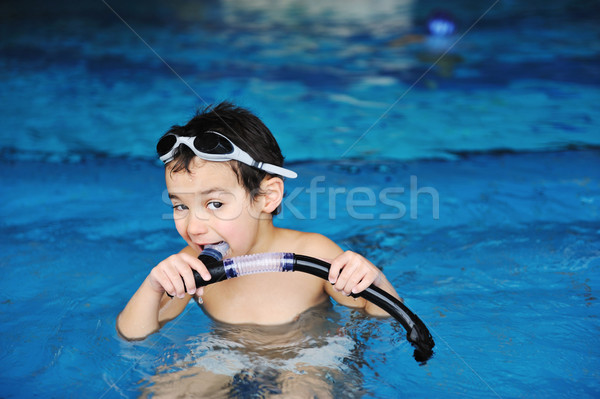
{"points": [[489, 226]]}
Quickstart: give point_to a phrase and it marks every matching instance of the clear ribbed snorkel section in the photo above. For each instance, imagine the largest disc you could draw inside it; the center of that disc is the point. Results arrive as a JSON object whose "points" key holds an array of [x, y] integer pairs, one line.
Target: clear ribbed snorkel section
{"points": [[259, 263], [247, 264]]}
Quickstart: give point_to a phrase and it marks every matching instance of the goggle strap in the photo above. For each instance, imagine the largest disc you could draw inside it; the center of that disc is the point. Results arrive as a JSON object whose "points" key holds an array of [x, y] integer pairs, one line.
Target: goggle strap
{"points": [[277, 170]]}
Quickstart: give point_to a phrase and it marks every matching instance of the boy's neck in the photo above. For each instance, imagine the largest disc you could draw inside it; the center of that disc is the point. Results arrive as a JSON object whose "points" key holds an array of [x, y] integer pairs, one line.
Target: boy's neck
{"points": [[265, 237]]}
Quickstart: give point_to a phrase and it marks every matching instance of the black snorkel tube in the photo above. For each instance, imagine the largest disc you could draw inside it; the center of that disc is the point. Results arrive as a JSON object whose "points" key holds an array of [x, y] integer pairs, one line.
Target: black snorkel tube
{"points": [[212, 257]]}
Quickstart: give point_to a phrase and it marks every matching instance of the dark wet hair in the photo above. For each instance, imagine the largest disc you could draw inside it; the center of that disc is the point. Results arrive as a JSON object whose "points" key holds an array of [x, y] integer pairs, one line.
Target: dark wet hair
{"points": [[244, 129]]}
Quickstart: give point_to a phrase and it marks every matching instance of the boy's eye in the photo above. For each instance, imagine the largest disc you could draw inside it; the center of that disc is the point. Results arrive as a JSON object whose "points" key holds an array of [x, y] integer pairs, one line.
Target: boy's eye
{"points": [[180, 207], [214, 205]]}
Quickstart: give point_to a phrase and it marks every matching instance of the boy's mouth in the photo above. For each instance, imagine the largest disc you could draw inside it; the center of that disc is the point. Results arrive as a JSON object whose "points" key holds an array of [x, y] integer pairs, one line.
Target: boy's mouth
{"points": [[202, 246]]}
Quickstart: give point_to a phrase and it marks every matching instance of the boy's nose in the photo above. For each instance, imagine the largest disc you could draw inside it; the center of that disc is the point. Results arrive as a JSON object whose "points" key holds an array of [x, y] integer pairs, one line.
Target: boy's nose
{"points": [[197, 225]]}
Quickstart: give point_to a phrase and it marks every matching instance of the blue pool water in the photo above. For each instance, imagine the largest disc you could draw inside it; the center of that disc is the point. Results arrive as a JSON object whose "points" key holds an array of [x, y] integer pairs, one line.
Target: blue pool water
{"points": [[474, 185]]}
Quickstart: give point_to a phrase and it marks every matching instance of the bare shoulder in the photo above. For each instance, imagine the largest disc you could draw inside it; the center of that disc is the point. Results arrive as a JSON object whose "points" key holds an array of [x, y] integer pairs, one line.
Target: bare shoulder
{"points": [[312, 244]]}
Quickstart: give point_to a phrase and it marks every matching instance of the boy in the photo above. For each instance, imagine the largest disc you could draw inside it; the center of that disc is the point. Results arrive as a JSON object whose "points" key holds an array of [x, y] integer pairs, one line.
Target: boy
{"points": [[224, 175]]}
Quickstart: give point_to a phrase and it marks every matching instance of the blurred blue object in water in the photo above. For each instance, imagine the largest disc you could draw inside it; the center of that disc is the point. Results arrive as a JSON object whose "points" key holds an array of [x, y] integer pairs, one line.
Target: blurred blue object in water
{"points": [[441, 23]]}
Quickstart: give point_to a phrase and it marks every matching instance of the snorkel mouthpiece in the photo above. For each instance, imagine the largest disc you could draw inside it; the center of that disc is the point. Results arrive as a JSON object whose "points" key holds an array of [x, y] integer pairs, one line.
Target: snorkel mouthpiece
{"points": [[215, 251], [212, 257]]}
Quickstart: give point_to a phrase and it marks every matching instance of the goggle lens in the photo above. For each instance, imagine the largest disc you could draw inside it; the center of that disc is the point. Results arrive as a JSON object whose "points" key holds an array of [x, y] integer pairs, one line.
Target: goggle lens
{"points": [[211, 143], [165, 144]]}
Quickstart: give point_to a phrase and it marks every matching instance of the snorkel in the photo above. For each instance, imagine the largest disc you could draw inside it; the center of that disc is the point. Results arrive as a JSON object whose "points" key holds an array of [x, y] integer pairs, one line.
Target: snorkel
{"points": [[221, 269]]}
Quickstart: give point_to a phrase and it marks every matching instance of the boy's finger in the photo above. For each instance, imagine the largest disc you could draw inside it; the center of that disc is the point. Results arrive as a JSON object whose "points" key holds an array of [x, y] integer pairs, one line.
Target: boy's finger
{"points": [[175, 281], [337, 265], [188, 279], [168, 287], [346, 277], [201, 268], [353, 281], [360, 287], [198, 266], [334, 271]]}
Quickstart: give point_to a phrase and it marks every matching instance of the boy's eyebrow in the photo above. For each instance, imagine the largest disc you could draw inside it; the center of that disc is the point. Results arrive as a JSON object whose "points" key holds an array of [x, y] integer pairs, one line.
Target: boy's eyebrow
{"points": [[208, 191], [213, 190], [173, 196]]}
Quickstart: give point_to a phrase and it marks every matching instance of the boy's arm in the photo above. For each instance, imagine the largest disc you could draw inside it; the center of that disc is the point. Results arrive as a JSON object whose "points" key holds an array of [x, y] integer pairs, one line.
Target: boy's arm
{"points": [[147, 311], [352, 273]]}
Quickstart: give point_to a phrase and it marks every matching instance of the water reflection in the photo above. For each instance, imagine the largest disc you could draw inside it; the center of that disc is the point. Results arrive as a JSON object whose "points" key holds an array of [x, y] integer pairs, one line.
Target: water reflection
{"points": [[311, 357]]}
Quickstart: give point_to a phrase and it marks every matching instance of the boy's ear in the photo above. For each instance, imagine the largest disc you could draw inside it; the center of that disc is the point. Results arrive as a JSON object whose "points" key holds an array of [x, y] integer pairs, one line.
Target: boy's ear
{"points": [[273, 193]]}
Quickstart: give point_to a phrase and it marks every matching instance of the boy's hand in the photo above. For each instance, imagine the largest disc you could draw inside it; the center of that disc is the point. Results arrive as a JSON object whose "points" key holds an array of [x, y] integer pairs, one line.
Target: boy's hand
{"points": [[167, 275], [351, 273]]}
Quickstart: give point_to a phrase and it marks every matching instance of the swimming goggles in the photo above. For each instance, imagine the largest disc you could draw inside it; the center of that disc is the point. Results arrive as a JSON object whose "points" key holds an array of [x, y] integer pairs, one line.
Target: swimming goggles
{"points": [[213, 146]]}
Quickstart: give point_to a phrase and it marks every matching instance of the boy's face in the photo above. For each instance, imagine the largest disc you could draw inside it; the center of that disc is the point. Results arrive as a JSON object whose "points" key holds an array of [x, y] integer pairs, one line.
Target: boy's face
{"points": [[210, 205]]}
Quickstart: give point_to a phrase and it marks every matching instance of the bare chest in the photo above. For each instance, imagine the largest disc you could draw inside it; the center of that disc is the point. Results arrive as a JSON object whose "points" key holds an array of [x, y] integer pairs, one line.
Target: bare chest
{"points": [[266, 298]]}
